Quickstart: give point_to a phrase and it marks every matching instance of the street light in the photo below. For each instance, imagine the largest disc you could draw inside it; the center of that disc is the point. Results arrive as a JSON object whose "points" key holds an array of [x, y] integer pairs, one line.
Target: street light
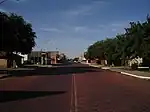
{"points": [[5, 1]]}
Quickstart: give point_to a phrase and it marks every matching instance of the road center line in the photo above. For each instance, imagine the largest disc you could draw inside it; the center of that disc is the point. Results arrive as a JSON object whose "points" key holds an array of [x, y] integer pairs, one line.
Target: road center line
{"points": [[75, 94], [71, 94]]}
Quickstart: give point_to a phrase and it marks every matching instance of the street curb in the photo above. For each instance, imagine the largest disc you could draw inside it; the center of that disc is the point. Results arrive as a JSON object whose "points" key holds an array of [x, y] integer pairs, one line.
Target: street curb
{"points": [[94, 66], [102, 67], [133, 75], [124, 73], [5, 75], [105, 68]]}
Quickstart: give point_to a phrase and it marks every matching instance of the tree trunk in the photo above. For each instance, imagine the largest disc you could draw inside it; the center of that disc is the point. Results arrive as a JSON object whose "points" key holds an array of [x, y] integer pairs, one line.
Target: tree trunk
{"points": [[146, 62], [9, 59]]}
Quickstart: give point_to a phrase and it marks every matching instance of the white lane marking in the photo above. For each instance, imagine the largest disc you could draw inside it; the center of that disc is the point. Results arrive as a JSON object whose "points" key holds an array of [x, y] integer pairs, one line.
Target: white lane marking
{"points": [[73, 107], [71, 94], [75, 94]]}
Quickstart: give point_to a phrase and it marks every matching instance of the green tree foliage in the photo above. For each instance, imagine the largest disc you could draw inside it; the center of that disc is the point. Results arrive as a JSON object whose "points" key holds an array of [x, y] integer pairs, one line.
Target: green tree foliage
{"points": [[95, 51], [135, 42], [76, 59], [16, 35], [61, 58]]}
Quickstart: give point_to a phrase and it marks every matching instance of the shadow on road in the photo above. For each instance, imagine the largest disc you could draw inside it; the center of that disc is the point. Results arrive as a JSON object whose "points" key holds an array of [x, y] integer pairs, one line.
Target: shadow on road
{"points": [[7, 96], [59, 70]]}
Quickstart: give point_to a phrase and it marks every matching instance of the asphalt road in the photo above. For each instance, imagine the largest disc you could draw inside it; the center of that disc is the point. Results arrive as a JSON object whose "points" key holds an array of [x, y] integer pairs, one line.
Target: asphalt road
{"points": [[73, 88]]}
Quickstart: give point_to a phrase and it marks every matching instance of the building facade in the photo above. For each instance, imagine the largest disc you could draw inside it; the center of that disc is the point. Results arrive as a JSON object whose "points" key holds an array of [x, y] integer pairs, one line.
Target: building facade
{"points": [[43, 58], [10, 60]]}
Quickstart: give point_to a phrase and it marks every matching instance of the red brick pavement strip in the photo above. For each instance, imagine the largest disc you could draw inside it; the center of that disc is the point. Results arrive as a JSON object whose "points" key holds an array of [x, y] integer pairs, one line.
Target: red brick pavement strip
{"points": [[106, 91], [101, 91], [47, 103], [74, 104]]}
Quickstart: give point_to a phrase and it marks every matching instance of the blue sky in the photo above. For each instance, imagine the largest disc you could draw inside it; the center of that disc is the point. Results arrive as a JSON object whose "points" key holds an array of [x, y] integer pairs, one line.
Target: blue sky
{"points": [[72, 25]]}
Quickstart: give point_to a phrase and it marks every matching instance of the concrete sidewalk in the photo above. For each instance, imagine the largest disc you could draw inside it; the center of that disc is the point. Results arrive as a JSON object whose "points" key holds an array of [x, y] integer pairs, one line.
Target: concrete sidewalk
{"points": [[137, 74], [95, 65], [4, 72]]}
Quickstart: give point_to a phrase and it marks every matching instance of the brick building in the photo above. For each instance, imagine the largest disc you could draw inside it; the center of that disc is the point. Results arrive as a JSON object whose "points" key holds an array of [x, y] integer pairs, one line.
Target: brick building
{"points": [[10, 60], [44, 58]]}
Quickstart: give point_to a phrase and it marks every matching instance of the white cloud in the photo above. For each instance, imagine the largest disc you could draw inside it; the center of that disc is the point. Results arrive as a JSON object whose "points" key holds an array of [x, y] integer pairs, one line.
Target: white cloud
{"points": [[117, 27], [86, 9], [118, 24], [79, 11], [85, 29], [17, 1], [3, 10], [100, 2], [80, 28], [101, 25], [50, 29], [114, 30]]}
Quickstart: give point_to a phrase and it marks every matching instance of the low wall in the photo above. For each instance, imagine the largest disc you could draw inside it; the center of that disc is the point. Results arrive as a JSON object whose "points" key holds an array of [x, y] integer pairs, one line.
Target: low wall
{"points": [[3, 63]]}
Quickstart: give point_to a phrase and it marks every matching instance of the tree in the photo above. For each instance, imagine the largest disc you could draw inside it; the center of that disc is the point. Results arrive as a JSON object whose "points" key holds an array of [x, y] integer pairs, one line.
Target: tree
{"points": [[134, 36], [62, 58], [95, 51], [76, 59], [138, 37], [135, 42], [121, 49], [109, 50], [16, 34], [145, 47]]}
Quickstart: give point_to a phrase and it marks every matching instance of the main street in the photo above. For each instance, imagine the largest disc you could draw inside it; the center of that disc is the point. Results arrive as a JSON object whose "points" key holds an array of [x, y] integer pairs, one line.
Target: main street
{"points": [[73, 88]]}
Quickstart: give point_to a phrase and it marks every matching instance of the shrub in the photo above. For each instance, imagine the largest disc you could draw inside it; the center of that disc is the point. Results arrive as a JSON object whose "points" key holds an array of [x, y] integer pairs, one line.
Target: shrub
{"points": [[134, 66], [98, 62]]}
